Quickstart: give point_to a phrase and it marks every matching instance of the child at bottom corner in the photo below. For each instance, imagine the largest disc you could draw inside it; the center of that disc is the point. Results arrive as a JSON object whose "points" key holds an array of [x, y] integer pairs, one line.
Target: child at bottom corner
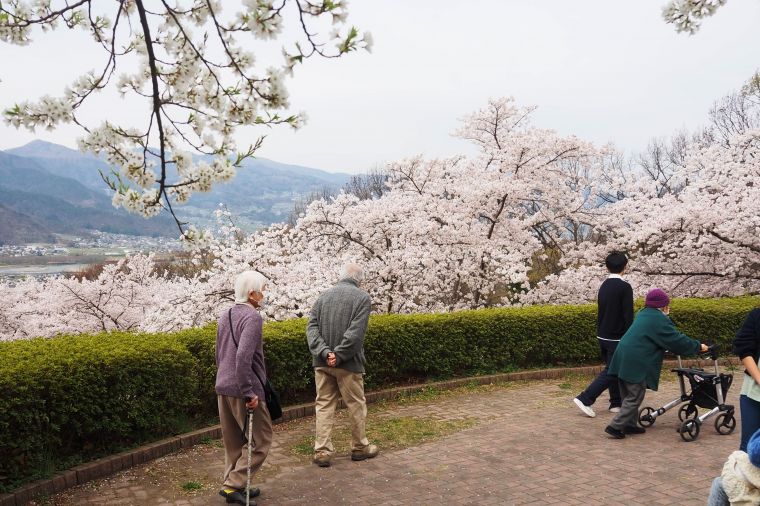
{"points": [[739, 482]]}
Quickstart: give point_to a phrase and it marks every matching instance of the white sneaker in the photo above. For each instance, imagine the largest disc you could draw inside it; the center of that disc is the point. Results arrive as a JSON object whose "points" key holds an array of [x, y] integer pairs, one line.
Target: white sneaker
{"points": [[586, 409], [616, 409]]}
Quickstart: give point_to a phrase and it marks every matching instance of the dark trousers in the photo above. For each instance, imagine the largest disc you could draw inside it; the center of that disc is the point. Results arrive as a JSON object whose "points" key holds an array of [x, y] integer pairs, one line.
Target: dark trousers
{"points": [[633, 396], [603, 381], [750, 414]]}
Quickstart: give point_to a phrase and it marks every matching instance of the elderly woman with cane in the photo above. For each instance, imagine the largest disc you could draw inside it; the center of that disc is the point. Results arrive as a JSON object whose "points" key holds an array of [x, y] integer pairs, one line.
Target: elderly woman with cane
{"points": [[241, 374]]}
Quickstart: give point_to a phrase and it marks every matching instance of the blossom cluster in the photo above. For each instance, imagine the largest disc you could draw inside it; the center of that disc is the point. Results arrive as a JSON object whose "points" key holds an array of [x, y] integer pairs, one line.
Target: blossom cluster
{"points": [[686, 15]]}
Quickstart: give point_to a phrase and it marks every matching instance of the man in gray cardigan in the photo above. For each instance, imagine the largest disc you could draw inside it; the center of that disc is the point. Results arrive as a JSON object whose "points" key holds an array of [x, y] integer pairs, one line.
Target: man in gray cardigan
{"points": [[337, 324]]}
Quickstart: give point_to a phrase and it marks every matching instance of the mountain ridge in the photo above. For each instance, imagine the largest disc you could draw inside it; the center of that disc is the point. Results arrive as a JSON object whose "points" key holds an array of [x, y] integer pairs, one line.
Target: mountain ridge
{"points": [[60, 189]]}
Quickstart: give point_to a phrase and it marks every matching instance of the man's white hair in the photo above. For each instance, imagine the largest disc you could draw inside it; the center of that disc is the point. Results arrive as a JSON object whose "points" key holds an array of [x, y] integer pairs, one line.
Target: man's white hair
{"points": [[247, 282], [352, 271]]}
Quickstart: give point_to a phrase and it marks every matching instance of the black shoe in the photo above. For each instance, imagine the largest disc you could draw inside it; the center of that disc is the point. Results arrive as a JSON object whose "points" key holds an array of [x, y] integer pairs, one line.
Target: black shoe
{"points": [[234, 496], [634, 429], [612, 431]]}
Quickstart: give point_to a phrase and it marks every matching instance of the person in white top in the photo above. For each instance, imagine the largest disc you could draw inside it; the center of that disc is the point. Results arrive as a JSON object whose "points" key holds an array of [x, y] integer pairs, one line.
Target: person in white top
{"points": [[614, 316]]}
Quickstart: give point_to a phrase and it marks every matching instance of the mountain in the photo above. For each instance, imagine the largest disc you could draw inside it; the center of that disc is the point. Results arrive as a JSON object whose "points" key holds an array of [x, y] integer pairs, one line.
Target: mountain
{"points": [[266, 174], [50, 204], [61, 190], [65, 162], [28, 175], [48, 150]]}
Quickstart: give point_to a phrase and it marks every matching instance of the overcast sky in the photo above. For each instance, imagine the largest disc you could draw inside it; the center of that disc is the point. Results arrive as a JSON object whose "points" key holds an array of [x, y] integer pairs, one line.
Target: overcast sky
{"points": [[605, 71]]}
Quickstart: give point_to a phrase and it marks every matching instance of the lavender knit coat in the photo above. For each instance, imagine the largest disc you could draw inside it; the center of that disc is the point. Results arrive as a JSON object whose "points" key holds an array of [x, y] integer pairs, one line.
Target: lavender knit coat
{"points": [[235, 375]]}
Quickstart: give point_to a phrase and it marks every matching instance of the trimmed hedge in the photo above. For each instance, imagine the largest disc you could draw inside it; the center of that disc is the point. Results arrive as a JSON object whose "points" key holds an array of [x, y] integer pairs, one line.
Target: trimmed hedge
{"points": [[72, 398], [75, 397]]}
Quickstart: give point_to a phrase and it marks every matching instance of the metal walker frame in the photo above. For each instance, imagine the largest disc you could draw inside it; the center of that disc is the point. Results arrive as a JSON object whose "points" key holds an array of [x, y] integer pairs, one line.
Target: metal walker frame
{"points": [[699, 380]]}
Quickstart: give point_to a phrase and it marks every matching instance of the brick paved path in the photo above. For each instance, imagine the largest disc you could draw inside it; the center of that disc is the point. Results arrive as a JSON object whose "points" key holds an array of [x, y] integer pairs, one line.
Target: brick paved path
{"points": [[531, 446]]}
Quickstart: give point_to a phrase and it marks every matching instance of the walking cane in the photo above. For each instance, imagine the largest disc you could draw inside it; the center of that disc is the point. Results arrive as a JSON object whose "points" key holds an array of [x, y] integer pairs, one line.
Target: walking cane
{"points": [[250, 440]]}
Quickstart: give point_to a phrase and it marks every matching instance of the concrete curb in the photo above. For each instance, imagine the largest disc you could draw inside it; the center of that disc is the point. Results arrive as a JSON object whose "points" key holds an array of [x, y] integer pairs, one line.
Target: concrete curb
{"points": [[108, 465]]}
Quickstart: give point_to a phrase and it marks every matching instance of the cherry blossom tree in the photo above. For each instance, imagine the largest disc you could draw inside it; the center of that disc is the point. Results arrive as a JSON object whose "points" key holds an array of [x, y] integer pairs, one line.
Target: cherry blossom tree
{"points": [[692, 228], [449, 233], [192, 66], [118, 299]]}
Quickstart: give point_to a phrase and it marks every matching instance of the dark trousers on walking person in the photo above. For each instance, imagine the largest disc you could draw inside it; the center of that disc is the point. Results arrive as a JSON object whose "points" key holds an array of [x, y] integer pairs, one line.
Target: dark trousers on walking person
{"points": [[633, 396], [603, 381], [750, 419]]}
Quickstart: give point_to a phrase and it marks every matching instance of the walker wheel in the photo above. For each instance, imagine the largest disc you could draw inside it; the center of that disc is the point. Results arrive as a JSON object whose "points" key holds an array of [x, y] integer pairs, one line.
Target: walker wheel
{"points": [[689, 429], [725, 423], [645, 417], [688, 411]]}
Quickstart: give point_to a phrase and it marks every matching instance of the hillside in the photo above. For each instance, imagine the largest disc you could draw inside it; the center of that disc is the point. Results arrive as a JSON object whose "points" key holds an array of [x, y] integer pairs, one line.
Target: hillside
{"points": [[17, 228]]}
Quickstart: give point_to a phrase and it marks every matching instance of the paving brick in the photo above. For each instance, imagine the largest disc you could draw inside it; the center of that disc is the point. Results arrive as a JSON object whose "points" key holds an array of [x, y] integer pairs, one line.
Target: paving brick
{"points": [[92, 470], [58, 483], [193, 438], [25, 494], [161, 448]]}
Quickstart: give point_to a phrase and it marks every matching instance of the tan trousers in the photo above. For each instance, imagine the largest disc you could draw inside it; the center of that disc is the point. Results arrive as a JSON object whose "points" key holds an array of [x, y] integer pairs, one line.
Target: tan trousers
{"points": [[233, 418], [332, 383]]}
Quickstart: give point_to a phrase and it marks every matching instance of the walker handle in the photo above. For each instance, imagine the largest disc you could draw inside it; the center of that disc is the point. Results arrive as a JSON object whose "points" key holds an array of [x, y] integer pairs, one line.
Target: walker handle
{"points": [[713, 350]]}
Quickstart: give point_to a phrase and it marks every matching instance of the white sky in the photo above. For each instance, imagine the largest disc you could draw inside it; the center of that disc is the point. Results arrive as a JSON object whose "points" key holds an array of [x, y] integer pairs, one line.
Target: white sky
{"points": [[605, 71]]}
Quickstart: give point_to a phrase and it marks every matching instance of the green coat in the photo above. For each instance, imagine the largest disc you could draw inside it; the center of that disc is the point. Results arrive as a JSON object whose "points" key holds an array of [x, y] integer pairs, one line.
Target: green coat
{"points": [[638, 357]]}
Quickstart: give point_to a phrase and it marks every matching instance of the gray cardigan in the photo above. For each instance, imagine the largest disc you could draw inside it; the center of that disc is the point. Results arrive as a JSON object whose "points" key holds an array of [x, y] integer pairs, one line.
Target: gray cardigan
{"points": [[337, 323], [235, 375]]}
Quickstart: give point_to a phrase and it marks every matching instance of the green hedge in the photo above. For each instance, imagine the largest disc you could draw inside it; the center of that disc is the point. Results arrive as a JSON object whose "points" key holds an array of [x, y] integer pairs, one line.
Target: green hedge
{"points": [[73, 398]]}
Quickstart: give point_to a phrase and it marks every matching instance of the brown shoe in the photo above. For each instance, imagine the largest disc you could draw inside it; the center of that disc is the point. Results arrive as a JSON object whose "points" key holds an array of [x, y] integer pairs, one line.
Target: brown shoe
{"points": [[368, 452], [322, 459]]}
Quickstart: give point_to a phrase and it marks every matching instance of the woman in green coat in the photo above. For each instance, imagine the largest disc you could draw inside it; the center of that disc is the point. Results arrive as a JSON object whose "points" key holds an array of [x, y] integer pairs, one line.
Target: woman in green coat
{"points": [[638, 359]]}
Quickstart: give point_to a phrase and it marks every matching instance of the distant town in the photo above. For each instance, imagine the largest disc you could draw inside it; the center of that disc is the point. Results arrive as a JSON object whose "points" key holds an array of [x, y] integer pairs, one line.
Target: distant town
{"points": [[110, 244], [75, 253]]}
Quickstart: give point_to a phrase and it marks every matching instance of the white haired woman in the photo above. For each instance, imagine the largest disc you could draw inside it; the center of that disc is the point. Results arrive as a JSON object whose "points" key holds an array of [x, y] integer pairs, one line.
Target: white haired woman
{"points": [[240, 377]]}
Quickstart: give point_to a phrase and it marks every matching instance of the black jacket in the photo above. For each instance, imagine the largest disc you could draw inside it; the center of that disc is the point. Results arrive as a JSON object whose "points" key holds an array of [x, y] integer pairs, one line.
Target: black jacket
{"points": [[615, 309], [747, 341]]}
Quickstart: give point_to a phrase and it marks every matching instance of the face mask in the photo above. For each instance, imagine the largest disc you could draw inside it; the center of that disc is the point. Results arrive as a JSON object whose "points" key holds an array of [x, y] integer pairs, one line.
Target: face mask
{"points": [[257, 303]]}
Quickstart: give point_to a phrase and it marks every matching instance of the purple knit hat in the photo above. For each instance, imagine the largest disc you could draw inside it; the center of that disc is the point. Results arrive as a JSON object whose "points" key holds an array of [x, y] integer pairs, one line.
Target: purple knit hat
{"points": [[656, 298]]}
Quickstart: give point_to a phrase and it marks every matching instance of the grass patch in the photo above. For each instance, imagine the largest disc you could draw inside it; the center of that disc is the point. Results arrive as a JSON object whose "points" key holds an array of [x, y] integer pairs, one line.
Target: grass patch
{"points": [[573, 381], [390, 433], [433, 393], [191, 486], [403, 432], [214, 443]]}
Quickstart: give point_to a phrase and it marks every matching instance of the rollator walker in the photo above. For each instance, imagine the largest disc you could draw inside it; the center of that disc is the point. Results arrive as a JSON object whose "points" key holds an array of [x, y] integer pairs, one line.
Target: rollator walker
{"points": [[708, 391]]}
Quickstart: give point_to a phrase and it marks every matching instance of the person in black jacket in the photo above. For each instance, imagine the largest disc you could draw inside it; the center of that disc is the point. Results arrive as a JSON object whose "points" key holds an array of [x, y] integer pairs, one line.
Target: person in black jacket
{"points": [[614, 316], [747, 346]]}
